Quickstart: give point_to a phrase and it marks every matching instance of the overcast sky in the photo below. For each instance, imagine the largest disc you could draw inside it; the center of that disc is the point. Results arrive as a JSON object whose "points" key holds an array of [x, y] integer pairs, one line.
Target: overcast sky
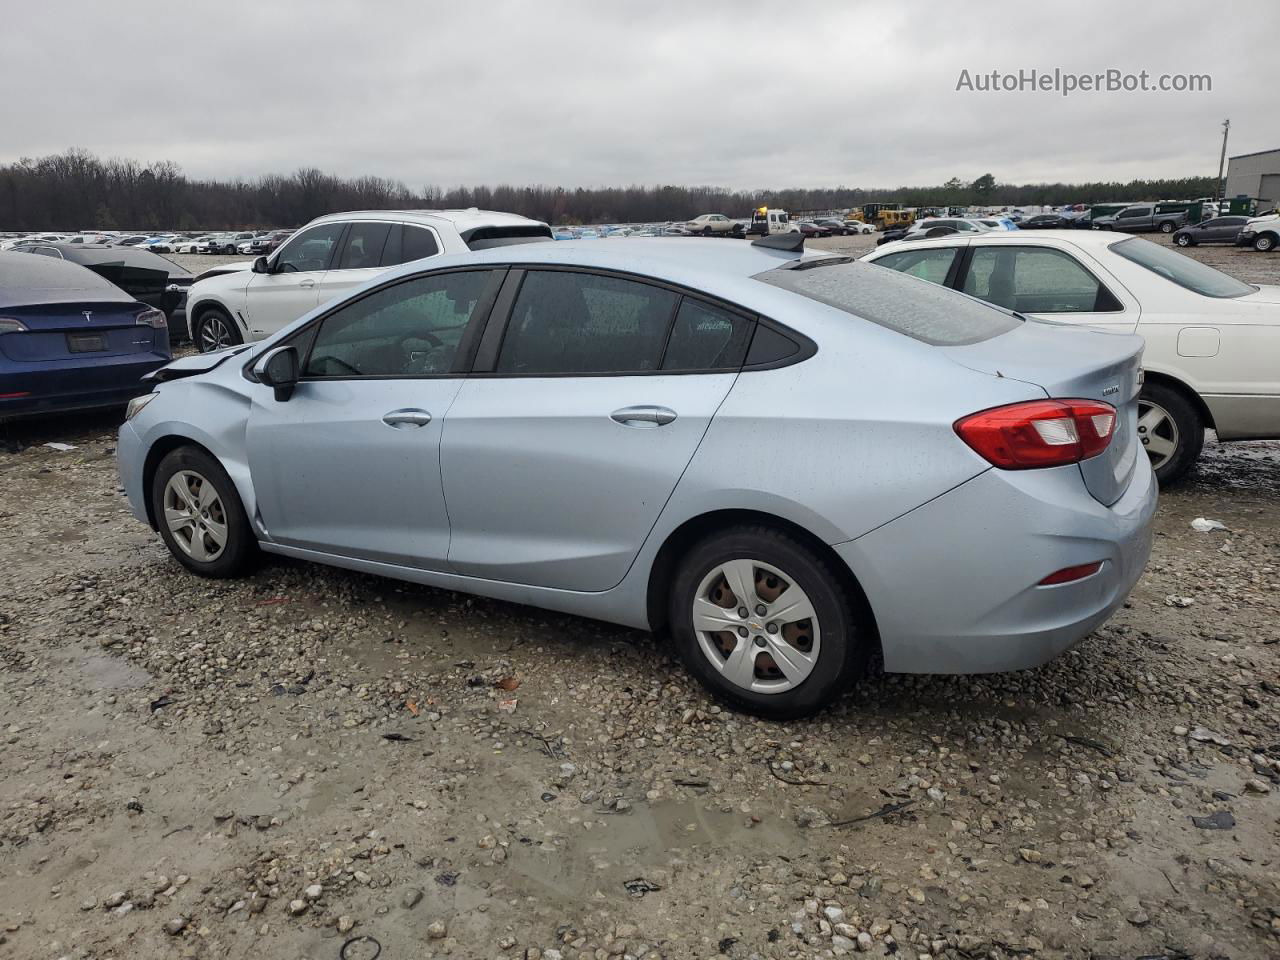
{"points": [[729, 92]]}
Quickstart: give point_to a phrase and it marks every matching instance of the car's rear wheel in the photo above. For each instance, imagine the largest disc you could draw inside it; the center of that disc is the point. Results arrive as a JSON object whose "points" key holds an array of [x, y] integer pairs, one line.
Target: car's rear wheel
{"points": [[199, 514], [1166, 227], [765, 623], [1264, 243], [1183, 240], [214, 330], [1171, 431]]}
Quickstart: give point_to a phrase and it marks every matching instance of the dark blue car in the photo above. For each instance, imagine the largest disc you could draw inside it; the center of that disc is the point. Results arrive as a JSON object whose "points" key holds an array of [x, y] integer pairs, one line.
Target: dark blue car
{"points": [[70, 339]]}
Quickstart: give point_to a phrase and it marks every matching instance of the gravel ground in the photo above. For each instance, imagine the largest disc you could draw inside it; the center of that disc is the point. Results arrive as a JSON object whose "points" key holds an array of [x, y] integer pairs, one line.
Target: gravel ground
{"points": [[272, 767]]}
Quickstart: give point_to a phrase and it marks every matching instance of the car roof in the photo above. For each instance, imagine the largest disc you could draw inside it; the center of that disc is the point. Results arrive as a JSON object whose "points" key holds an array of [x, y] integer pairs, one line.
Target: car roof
{"points": [[99, 253], [689, 261], [27, 280], [1086, 239], [460, 219]]}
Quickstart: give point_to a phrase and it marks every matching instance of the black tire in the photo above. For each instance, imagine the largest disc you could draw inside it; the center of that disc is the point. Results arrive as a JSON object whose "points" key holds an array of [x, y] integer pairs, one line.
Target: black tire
{"points": [[1186, 418], [706, 231], [207, 336], [845, 632], [1183, 240], [240, 548], [1264, 243], [1166, 227]]}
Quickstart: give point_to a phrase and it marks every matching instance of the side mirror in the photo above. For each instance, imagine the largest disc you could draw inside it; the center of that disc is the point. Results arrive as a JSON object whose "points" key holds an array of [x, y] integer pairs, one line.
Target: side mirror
{"points": [[278, 368], [260, 265]]}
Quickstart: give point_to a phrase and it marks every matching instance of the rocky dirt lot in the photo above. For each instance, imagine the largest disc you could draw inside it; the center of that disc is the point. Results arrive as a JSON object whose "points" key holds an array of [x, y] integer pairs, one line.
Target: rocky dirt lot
{"points": [[277, 766]]}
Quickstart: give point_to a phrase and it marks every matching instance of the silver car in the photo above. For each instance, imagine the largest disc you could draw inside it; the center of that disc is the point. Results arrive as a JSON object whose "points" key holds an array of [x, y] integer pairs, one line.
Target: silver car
{"points": [[793, 463]]}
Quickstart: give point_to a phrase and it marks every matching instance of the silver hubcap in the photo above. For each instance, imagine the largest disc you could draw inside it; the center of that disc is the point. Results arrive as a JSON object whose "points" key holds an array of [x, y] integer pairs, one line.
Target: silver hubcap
{"points": [[195, 516], [214, 334], [1158, 433], [756, 626]]}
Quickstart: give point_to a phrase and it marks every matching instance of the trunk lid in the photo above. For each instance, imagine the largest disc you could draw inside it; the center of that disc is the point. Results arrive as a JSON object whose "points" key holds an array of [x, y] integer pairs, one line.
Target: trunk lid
{"points": [[1069, 361], [88, 331]]}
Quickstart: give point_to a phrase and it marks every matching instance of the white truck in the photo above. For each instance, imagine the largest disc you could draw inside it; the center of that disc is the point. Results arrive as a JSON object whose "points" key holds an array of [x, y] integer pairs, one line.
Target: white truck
{"points": [[1261, 233], [767, 220]]}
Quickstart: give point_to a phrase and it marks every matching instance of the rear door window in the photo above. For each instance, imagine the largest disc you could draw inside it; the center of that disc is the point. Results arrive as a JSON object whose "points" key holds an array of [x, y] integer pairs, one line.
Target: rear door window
{"points": [[363, 246], [922, 311], [565, 322], [1036, 280]]}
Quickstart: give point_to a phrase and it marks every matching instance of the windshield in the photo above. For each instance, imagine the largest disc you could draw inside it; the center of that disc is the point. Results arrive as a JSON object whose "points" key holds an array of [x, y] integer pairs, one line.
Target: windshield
{"points": [[1181, 269], [916, 308]]}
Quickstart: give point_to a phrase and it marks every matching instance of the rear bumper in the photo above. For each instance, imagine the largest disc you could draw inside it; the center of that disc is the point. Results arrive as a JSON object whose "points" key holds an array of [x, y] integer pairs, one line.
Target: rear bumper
{"points": [[954, 584], [58, 385]]}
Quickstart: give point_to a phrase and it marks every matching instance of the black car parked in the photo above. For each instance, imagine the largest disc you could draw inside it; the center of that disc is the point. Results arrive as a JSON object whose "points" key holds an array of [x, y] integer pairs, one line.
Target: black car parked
{"points": [[1047, 221], [1217, 230], [837, 227], [151, 279]]}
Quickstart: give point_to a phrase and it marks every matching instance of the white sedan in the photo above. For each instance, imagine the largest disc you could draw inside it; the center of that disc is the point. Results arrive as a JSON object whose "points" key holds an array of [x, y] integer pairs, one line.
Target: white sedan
{"points": [[1212, 340], [857, 226]]}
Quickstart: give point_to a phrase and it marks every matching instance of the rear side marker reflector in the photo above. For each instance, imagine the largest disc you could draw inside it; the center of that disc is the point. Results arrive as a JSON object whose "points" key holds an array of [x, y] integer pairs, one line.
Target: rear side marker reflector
{"points": [[1068, 574], [1039, 433]]}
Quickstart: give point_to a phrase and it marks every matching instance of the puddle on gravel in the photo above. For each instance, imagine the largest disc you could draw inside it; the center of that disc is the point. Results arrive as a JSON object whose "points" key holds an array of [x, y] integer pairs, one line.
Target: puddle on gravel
{"points": [[101, 672], [644, 844]]}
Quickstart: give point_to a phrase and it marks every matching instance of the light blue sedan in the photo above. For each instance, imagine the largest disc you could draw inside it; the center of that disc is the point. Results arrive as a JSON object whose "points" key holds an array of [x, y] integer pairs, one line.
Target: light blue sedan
{"points": [[791, 462]]}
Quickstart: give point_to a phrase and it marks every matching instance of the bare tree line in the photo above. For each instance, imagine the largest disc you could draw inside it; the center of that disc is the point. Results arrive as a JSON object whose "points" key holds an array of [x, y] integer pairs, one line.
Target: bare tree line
{"points": [[77, 190]]}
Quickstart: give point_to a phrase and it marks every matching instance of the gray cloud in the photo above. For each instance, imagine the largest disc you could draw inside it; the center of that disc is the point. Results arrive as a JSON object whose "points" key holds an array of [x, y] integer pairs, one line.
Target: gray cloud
{"points": [[740, 93]]}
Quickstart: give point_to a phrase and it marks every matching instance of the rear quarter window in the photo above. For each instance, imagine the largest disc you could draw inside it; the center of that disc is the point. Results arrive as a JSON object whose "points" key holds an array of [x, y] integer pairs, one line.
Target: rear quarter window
{"points": [[915, 308], [1180, 269]]}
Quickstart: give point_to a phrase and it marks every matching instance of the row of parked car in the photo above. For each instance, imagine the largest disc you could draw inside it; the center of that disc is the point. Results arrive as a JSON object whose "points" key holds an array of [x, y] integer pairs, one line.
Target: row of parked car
{"points": [[1198, 378], [245, 242]]}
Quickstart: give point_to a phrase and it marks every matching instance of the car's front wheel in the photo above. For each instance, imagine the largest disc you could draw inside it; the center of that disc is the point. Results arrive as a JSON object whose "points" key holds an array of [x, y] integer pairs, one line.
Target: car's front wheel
{"points": [[214, 330], [1171, 431], [1183, 240], [1264, 243], [199, 514], [765, 622]]}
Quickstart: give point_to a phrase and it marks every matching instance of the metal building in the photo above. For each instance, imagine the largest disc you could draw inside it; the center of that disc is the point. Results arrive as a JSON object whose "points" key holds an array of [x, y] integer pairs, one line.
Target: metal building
{"points": [[1255, 175]]}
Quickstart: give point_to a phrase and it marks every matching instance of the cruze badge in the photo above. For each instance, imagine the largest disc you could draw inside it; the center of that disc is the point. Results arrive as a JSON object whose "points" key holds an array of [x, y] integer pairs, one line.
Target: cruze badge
{"points": [[1108, 391]]}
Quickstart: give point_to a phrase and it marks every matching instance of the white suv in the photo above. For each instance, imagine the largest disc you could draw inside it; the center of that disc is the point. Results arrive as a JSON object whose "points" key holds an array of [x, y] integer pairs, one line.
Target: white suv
{"points": [[331, 255]]}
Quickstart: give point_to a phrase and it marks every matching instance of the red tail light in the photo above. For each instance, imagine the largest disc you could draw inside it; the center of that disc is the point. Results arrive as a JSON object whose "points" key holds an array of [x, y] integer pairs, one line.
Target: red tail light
{"points": [[1039, 433], [1071, 574]]}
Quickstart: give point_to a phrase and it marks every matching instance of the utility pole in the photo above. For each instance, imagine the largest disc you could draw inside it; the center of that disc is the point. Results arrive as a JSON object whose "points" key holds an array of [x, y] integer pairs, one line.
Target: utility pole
{"points": [[1222, 159]]}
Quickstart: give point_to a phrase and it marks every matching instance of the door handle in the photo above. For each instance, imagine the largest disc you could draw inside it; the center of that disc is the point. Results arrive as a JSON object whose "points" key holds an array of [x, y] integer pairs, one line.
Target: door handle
{"points": [[306, 284], [399, 419], [643, 413]]}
